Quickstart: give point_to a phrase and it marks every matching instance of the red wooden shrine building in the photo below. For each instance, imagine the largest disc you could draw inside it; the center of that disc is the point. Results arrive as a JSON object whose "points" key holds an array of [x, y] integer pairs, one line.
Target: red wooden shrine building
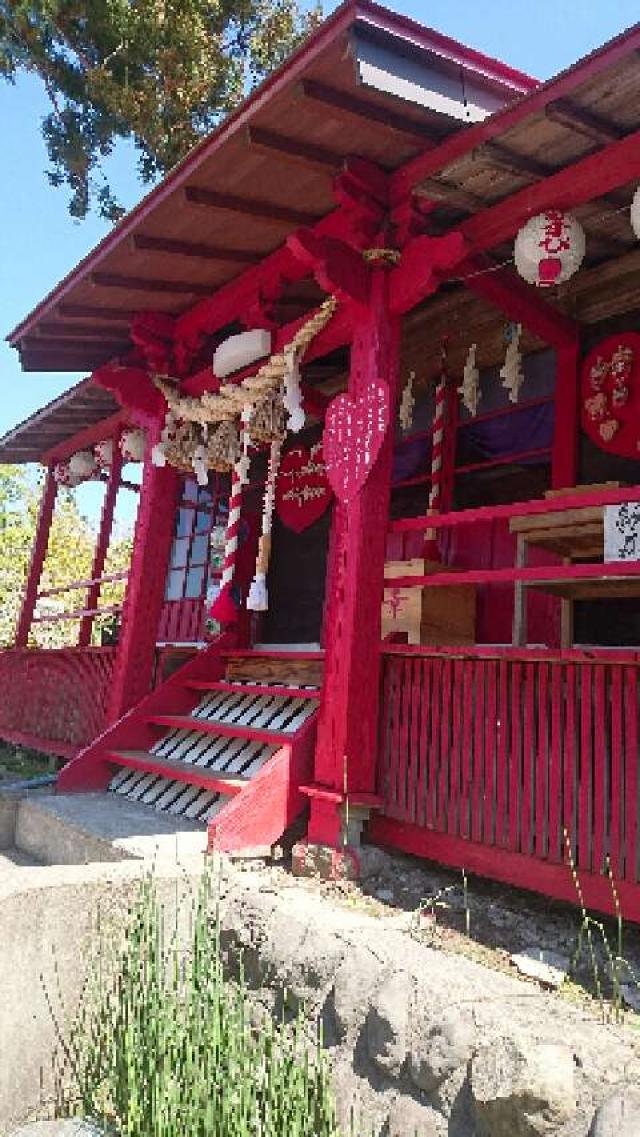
{"points": [[417, 273]]}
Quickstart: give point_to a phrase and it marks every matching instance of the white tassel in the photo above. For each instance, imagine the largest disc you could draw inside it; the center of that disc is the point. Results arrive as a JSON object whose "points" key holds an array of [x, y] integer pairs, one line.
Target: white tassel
{"points": [[258, 598], [158, 455], [200, 466], [292, 398]]}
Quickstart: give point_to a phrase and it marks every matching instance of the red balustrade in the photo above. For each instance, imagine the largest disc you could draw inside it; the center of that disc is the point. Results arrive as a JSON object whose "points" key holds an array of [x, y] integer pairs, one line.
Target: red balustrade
{"points": [[54, 699], [487, 757]]}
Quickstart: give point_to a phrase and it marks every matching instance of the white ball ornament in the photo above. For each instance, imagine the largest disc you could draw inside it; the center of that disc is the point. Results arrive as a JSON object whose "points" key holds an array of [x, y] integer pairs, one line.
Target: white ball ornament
{"points": [[635, 213], [550, 248], [82, 465], [132, 445]]}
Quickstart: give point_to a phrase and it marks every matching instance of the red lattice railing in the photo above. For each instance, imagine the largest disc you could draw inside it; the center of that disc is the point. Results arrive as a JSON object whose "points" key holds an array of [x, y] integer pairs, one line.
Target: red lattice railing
{"points": [[55, 699], [487, 757]]}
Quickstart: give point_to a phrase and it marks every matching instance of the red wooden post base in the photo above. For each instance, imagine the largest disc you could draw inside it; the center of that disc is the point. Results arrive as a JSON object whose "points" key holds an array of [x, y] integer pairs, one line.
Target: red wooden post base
{"points": [[346, 749]]}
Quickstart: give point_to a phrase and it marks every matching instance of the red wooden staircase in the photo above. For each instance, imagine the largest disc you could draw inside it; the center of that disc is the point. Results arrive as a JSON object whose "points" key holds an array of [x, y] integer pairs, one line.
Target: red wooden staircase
{"points": [[227, 741]]}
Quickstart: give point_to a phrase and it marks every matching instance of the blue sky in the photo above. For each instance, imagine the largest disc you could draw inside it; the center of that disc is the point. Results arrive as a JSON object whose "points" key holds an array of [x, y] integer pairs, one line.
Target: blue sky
{"points": [[39, 242]]}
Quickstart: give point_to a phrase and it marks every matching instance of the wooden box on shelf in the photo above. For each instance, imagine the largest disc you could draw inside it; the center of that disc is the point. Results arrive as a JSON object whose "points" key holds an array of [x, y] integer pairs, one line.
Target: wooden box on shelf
{"points": [[438, 616]]}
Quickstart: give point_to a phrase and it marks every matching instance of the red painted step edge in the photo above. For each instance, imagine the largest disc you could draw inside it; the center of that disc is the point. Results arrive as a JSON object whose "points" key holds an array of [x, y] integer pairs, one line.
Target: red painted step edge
{"points": [[230, 730], [192, 775], [252, 689]]}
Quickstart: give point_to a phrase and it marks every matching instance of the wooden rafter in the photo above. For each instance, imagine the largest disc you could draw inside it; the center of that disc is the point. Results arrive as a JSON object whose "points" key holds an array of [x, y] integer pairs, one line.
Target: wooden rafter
{"points": [[579, 120], [292, 150], [78, 332], [149, 284], [197, 249], [90, 312], [251, 207], [364, 111]]}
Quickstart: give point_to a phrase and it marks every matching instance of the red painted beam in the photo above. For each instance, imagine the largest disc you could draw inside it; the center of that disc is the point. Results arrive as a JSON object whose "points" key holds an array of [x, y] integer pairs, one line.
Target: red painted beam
{"points": [[85, 439], [542, 574], [566, 428], [502, 864], [185, 772], [516, 509], [607, 169], [519, 302]]}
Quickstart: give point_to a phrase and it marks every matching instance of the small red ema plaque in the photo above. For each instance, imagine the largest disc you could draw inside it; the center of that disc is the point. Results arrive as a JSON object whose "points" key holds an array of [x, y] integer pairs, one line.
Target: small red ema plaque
{"points": [[610, 395], [302, 491]]}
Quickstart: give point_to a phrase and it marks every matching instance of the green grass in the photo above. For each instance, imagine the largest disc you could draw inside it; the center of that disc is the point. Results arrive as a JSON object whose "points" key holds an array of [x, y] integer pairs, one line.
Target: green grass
{"points": [[20, 762], [167, 1046]]}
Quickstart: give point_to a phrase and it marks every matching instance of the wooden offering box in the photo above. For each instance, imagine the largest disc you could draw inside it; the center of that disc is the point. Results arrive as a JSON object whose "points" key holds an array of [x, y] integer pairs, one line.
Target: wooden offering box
{"points": [[436, 616]]}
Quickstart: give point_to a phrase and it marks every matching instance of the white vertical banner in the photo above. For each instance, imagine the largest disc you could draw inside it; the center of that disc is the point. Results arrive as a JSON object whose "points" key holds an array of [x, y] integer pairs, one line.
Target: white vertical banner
{"points": [[622, 532]]}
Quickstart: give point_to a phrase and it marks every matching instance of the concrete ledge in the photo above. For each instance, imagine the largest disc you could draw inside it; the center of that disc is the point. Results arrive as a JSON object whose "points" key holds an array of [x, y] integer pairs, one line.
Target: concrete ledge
{"points": [[75, 829]]}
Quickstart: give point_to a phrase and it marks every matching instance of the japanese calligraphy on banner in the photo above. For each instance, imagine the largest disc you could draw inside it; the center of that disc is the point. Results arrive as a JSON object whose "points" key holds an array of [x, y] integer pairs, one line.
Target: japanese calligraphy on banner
{"points": [[611, 395], [303, 492], [622, 532]]}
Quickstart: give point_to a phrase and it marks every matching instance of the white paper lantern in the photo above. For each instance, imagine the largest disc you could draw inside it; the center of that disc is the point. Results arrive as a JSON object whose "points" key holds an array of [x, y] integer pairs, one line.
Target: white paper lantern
{"points": [[82, 465], [103, 453], [635, 213], [64, 477], [550, 248], [132, 445]]}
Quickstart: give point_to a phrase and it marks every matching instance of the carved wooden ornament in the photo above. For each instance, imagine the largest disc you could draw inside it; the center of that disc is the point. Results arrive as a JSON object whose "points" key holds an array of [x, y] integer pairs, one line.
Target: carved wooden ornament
{"points": [[353, 434], [303, 492]]}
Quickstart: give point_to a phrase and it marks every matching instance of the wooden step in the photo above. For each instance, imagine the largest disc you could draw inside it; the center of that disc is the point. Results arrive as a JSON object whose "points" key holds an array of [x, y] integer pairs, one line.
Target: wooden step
{"points": [[280, 669], [227, 784], [254, 688], [227, 730]]}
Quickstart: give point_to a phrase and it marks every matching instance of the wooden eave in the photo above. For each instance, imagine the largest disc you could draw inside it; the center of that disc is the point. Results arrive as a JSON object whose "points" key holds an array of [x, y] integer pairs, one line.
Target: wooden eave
{"points": [[268, 169], [83, 406]]}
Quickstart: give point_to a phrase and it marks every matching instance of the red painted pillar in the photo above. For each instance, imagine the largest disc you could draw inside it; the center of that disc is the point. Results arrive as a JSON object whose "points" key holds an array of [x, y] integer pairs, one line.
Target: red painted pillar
{"points": [[564, 458], [102, 543], [146, 587], [347, 729], [38, 555]]}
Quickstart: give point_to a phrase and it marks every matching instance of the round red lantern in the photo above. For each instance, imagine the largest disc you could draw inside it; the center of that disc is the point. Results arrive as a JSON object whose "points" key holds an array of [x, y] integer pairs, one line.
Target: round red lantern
{"points": [[550, 248]]}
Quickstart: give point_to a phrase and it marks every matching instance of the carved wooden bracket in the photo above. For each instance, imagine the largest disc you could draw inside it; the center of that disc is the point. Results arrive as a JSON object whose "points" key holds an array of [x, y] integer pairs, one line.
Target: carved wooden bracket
{"points": [[337, 267]]}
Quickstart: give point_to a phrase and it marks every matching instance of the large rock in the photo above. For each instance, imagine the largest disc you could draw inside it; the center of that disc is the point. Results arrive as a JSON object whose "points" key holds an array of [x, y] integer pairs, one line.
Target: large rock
{"points": [[388, 1023], [408, 1118], [522, 1089], [439, 1046], [618, 1116], [354, 984]]}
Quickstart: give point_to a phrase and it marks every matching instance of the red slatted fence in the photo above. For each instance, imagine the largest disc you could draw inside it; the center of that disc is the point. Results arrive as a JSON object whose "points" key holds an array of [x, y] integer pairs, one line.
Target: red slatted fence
{"points": [[486, 755]]}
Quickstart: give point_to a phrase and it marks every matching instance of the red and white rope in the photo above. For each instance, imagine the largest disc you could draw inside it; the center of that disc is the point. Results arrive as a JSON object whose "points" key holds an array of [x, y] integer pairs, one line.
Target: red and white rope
{"points": [[224, 607], [437, 451]]}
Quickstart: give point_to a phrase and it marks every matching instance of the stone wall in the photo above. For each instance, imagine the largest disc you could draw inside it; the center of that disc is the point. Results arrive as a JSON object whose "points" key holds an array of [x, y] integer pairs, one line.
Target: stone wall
{"points": [[421, 1042]]}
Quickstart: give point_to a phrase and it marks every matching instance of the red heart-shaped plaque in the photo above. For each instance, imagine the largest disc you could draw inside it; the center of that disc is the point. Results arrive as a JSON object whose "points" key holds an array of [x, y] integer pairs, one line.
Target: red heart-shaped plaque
{"points": [[353, 434], [611, 395], [302, 490]]}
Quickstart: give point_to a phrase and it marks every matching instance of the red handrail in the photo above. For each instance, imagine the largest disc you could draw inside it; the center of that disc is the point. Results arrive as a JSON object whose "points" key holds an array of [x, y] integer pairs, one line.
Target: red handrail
{"points": [[571, 500], [82, 584]]}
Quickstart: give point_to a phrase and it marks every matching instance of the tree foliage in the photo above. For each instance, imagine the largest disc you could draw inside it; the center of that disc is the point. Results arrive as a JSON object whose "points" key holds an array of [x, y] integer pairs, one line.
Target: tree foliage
{"points": [[69, 558], [159, 72]]}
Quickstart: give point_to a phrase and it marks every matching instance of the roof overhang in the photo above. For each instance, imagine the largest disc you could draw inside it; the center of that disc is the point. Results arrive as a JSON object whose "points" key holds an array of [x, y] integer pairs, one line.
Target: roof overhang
{"points": [[368, 83], [53, 428]]}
